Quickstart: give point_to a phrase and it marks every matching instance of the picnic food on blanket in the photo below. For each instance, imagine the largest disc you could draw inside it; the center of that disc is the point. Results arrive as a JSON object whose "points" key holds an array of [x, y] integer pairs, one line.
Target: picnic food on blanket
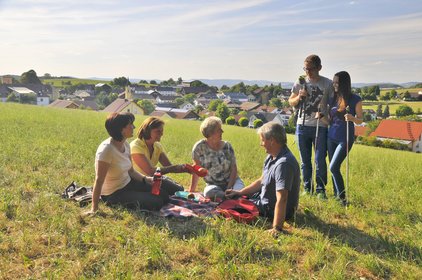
{"points": [[197, 169]]}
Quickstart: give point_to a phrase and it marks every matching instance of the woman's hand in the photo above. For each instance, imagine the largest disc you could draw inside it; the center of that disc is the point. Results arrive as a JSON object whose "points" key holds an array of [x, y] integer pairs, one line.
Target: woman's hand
{"points": [[275, 232], [349, 118], [90, 212], [149, 180]]}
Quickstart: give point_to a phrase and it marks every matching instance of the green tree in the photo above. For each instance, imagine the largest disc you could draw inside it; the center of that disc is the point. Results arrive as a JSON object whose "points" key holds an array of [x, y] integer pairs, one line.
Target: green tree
{"points": [[120, 81], [257, 123], [377, 90], [214, 104], [179, 101], [379, 110], [103, 99], [405, 95], [230, 120], [234, 111], [29, 98], [393, 94], [224, 87], [12, 98], [243, 122], [369, 96], [30, 77], [366, 117], [404, 110], [152, 82], [243, 113], [240, 87], [147, 106], [190, 97], [386, 112], [222, 112], [198, 108], [291, 124], [179, 80], [276, 102], [356, 90], [385, 96], [198, 83], [372, 125]]}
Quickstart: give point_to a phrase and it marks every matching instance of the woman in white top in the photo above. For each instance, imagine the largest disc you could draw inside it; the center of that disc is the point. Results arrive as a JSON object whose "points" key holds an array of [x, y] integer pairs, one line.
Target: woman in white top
{"points": [[116, 182]]}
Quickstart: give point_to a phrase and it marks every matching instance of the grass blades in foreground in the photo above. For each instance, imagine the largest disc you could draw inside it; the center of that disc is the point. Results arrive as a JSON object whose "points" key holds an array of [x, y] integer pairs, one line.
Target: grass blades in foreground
{"points": [[42, 236]]}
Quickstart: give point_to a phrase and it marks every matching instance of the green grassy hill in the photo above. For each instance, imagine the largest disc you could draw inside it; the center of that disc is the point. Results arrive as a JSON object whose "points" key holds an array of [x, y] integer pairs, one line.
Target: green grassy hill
{"points": [[42, 236]]}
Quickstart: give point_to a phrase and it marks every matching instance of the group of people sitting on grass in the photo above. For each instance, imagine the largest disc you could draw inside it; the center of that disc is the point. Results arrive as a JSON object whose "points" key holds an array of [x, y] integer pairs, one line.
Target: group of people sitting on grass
{"points": [[124, 173]]}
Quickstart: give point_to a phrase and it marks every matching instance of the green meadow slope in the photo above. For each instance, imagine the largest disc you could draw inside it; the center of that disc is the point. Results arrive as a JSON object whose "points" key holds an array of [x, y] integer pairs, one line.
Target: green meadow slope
{"points": [[42, 236]]}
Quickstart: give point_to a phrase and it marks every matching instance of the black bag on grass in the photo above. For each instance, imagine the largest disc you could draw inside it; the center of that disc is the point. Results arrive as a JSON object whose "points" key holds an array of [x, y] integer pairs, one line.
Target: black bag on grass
{"points": [[81, 194]]}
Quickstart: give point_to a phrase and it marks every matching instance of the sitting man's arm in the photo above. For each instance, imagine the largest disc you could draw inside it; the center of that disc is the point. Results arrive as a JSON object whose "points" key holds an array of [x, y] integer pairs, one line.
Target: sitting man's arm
{"points": [[279, 211], [251, 189]]}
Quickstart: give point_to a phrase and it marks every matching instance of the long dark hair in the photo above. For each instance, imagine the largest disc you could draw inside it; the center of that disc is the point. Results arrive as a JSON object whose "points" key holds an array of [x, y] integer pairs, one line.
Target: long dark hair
{"points": [[344, 90]]}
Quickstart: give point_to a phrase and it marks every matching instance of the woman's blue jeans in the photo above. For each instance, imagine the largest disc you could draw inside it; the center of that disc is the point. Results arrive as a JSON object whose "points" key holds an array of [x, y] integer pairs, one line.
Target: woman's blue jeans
{"points": [[306, 136], [337, 152]]}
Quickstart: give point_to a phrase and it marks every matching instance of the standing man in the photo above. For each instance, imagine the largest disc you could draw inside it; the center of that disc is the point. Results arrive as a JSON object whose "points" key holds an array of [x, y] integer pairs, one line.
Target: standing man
{"points": [[276, 192], [309, 98]]}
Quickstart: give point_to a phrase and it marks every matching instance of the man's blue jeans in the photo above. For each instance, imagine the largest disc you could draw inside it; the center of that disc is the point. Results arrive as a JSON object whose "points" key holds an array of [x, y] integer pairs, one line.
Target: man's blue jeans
{"points": [[306, 139], [337, 153]]}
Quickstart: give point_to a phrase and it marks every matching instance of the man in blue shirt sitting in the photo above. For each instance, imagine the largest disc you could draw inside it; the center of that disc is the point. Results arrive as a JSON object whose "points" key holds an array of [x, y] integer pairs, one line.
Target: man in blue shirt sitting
{"points": [[276, 192]]}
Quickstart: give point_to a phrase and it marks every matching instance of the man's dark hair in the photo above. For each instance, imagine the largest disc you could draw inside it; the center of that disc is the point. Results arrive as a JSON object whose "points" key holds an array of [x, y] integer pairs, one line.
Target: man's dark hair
{"points": [[115, 123]]}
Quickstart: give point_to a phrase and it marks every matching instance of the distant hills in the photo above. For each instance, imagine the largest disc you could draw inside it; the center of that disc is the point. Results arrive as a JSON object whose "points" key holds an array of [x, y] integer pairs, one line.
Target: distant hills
{"points": [[231, 82]]}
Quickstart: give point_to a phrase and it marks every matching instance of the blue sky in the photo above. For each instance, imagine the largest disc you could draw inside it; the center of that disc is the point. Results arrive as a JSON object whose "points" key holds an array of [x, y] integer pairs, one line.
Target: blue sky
{"points": [[375, 41]]}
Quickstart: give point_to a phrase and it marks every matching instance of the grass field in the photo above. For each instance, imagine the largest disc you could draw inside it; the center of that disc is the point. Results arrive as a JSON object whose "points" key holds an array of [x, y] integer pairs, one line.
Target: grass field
{"points": [[42, 236], [62, 82], [401, 90], [415, 105]]}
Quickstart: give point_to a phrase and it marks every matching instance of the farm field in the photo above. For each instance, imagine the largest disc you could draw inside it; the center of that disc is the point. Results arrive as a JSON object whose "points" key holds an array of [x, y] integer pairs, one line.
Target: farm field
{"points": [[415, 105], [43, 236], [401, 90], [61, 82]]}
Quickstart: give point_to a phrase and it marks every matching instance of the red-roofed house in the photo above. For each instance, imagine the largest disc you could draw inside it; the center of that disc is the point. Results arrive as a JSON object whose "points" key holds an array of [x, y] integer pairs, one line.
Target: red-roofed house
{"points": [[360, 130], [406, 132], [123, 105]]}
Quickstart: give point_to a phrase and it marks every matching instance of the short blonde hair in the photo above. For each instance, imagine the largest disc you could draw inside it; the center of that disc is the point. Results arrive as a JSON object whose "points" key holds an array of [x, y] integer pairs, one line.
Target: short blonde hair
{"points": [[209, 125]]}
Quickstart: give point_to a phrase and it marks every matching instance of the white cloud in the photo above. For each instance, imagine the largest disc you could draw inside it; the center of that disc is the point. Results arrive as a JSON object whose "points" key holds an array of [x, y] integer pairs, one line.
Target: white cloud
{"points": [[221, 39]]}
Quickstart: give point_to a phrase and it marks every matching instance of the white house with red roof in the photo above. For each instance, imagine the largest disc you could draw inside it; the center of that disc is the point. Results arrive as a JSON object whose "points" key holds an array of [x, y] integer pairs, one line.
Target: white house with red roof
{"points": [[405, 132]]}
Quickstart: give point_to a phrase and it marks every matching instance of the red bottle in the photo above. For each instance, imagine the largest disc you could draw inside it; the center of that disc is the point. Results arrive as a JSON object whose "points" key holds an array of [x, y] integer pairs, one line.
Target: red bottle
{"points": [[156, 184]]}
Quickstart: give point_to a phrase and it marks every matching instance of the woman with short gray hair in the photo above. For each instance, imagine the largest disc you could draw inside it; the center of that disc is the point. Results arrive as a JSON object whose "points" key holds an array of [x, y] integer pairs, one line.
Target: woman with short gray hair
{"points": [[218, 157]]}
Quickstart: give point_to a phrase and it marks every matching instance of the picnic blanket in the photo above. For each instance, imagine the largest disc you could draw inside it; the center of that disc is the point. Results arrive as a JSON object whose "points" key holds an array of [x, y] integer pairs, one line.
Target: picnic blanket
{"points": [[191, 206]]}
